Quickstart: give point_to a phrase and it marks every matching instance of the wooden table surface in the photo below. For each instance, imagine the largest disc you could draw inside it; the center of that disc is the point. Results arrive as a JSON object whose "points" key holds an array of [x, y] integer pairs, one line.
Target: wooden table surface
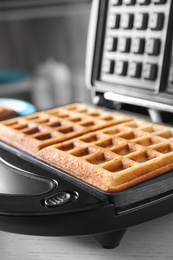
{"points": [[151, 240]]}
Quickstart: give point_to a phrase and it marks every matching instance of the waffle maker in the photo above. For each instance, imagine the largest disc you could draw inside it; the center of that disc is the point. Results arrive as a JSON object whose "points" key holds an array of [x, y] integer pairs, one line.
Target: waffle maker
{"points": [[128, 62]]}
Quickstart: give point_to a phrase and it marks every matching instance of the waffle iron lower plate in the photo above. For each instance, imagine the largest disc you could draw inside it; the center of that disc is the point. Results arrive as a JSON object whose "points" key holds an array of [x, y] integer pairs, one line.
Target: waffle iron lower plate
{"points": [[53, 203]]}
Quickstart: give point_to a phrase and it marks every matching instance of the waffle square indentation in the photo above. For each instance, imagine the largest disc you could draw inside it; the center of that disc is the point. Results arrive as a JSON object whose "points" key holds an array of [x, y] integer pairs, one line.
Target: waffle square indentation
{"points": [[32, 117], [81, 152], [31, 130], [152, 129], [148, 141], [164, 148], [75, 119], [63, 115], [10, 123], [20, 126], [94, 114], [55, 124], [87, 124], [125, 149], [67, 130], [143, 156], [114, 131], [44, 136], [67, 146], [107, 118], [91, 138], [118, 165], [108, 143], [166, 134], [131, 135], [100, 158], [134, 124]]}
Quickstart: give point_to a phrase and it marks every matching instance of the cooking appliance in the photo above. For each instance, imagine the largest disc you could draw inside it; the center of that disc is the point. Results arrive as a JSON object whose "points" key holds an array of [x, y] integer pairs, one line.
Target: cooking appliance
{"points": [[42, 200]]}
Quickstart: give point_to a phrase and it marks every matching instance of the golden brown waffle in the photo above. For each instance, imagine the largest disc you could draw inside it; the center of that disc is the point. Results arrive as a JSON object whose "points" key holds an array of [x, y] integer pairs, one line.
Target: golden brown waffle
{"points": [[115, 158], [34, 132], [107, 150], [6, 113]]}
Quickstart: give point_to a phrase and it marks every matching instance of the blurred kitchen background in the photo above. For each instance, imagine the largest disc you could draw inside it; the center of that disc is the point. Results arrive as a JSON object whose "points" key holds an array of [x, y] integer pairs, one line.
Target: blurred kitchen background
{"points": [[42, 51]]}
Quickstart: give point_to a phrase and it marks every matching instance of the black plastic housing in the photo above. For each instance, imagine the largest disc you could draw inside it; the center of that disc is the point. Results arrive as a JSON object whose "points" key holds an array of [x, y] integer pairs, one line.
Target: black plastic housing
{"points": [[90, 211]]}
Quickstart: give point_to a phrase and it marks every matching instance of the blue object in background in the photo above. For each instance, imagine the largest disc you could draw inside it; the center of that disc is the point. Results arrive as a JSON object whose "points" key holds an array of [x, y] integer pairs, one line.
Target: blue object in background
{"points": [[23, 108], [12, 76]]}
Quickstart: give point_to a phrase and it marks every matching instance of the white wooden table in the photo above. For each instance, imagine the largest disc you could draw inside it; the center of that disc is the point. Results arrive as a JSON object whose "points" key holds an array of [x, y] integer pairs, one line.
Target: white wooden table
{"points": [[151, 240]]}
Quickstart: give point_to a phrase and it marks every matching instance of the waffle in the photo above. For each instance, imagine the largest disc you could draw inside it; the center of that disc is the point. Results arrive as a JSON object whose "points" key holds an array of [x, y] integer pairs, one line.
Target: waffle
{"points": [[115, 158], [107, 150], [6, 113], [34, 132]]}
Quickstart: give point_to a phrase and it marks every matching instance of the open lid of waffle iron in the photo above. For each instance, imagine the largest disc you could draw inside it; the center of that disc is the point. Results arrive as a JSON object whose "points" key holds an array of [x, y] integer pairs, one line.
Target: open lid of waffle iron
{"points": [[39, 199], [129, 54]]}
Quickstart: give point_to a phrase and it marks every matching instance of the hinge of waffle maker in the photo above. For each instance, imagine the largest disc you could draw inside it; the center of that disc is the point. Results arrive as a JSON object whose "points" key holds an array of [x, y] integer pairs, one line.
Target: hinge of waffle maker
{"points": [[114, 101], [154, 112]]}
